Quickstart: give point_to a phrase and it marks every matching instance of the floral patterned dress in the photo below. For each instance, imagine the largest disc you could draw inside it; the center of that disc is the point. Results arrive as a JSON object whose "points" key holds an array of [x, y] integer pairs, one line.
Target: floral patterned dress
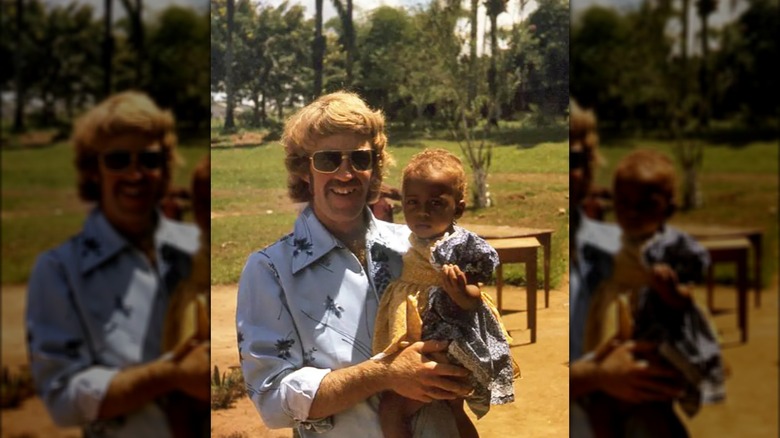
{"points": [[415, 307]]}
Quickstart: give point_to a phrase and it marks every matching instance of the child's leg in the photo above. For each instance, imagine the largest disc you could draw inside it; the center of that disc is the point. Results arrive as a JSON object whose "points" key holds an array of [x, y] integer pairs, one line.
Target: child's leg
{"points": [[466, 428], [395, 414]]}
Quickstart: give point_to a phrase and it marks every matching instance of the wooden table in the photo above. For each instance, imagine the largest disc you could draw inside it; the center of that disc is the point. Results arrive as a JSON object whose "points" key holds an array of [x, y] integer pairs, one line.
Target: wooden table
{"points": [[704, 233], [731, 251], [518, 250], [543, 235]]}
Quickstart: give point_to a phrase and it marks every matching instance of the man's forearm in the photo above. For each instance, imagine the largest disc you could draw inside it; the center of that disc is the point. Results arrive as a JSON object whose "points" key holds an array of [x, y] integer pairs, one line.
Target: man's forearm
{"points": [[341, 389], [132, 388]]}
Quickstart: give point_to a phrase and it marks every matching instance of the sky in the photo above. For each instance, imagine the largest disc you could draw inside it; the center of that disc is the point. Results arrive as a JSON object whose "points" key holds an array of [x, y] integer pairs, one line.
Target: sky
{"points": [[119, 11], [363, 7], [724, 14]]}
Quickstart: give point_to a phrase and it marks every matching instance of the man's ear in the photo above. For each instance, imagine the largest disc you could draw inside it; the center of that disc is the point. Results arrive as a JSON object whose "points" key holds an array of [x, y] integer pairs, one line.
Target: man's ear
{"points": [[460, 207]]}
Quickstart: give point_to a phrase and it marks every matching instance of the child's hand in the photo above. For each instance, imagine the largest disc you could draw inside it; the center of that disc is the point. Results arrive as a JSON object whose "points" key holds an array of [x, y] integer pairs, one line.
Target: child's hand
{"points": [[664, 281], [454, 282]]}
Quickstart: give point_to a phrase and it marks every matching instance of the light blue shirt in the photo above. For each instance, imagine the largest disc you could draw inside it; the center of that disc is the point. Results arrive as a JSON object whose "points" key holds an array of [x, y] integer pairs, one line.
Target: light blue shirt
{"points": [[595, 244], [305, 307], [95, 305]]}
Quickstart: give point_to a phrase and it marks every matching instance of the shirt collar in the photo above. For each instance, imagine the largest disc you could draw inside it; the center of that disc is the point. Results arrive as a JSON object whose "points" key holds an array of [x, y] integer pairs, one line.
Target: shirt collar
{"points": [[312, 240], [100, 241]]}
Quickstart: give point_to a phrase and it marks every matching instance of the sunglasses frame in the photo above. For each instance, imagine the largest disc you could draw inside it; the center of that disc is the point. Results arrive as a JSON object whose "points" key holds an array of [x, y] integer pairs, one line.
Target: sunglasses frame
{"points": [[134, 158], [344, 154]]}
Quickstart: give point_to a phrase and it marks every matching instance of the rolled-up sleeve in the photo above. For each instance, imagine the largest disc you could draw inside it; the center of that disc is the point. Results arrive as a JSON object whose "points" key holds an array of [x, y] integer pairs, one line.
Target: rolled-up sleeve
{"points": [[272, 358], [60, 360]]}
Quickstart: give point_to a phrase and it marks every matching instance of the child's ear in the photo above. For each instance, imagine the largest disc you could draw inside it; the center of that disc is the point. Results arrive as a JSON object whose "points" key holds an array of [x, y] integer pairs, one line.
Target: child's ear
{"points": [[460, 207]]}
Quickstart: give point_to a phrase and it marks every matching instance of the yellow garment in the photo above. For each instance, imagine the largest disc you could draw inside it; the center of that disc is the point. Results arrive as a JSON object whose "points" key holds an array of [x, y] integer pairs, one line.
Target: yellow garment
{"points": [[403, 302]]}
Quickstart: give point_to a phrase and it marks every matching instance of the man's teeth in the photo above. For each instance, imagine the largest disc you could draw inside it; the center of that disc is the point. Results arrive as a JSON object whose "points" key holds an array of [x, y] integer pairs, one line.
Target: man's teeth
{"points": [[342, 190]]}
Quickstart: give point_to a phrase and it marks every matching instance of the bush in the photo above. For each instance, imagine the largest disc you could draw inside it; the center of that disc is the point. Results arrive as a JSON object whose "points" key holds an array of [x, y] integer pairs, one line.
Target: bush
{"points": [[226, 388]]}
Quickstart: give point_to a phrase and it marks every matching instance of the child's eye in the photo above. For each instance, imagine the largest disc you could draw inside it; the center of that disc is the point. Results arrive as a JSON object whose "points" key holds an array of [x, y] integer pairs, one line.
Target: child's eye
{"points": [[410, 202], [436, 203]]}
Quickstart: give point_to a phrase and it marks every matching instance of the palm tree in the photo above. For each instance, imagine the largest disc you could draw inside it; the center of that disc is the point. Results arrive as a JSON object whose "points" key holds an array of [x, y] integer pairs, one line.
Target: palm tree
{"points": [[705, 8], [318, 49], [494, 9]]}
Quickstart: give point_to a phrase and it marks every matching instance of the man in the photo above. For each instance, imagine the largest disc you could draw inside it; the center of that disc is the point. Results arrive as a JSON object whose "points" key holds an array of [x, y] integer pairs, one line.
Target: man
{"points": [[614, 369], [307, 304], [96, 304]]}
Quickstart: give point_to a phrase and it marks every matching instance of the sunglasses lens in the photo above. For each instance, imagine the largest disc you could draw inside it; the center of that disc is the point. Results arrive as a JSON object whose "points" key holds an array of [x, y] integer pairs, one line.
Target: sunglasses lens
{"points": [[361, 160], [117, 160], [151, 160], [326, 161]]}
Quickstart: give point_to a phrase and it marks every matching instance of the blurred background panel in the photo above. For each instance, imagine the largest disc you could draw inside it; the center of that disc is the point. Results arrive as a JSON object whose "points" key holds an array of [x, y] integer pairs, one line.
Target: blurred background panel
{"points": [[60, 58], [696, 80]]}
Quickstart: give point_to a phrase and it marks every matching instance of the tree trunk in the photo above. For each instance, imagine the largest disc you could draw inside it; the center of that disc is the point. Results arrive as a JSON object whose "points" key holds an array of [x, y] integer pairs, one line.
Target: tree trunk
{"points": [[349, 29], [493, 113], [318, 50], [472, 87], [229, 86], [18, 73], [108, 48], [480, 195]]}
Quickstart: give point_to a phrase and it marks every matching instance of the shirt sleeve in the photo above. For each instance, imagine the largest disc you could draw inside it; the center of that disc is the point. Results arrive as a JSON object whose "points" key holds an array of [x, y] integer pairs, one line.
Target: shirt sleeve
{"points": [[61, 363], [272, 358]]}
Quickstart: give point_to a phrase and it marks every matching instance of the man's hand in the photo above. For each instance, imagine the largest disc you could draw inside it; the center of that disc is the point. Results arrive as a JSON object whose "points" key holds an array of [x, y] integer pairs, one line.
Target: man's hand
{"points": [[193, 369], [620, 374], [416, 377]]}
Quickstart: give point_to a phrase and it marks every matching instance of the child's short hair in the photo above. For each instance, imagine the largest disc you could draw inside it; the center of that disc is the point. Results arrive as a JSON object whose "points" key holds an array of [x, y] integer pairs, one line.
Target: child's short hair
{"points": [[582, 129], [440, 161], [651, 168]]}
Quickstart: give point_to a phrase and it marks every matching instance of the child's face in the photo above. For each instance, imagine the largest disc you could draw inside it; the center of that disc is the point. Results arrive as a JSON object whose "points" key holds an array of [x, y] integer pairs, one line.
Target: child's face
{"points": [[429, 204], [640, 211]]}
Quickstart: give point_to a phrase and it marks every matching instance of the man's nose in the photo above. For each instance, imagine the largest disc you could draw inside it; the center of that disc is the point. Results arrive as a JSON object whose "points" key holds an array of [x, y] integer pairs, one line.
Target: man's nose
{"points": [[344, 172]]}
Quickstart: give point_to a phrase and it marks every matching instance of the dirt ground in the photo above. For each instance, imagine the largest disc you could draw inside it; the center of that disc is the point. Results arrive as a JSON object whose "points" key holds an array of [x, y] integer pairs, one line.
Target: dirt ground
{"points": [[541, 409]]}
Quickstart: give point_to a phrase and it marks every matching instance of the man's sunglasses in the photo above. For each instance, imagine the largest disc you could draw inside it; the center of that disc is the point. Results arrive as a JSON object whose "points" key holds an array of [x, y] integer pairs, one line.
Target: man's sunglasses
{"points": [[119, 161], [330, 161]]}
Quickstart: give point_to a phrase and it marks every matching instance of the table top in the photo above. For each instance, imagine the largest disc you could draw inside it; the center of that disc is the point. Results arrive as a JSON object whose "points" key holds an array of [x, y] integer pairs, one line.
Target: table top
{"points": [[504, 231], [516, 242], [704, 232]]}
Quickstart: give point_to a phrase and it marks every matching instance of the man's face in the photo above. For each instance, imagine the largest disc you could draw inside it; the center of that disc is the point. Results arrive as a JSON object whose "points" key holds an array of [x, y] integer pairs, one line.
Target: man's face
{"points": [[580, 173], [429, 205], [339, 198], [132, 173]]}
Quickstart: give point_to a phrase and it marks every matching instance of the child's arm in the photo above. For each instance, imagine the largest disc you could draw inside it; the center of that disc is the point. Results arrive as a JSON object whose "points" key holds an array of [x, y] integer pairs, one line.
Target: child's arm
{"points": [[664, 281], [466, 296]]}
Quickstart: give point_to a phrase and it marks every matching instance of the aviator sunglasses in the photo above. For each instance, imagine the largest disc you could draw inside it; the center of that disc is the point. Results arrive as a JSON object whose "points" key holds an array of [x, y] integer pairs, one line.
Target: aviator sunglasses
{"points": [[120, 160], [330, 161]]}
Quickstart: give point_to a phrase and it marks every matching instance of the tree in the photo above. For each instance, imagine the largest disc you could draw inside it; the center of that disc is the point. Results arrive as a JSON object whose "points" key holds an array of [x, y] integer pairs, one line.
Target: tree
{"points": [[317, 50], [494, 9], [229, 83]]}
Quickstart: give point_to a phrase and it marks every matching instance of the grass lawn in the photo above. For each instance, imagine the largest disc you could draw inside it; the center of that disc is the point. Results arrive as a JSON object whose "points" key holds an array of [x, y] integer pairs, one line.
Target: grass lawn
{"points": [[738, 185], [40, 205], [250, 207]]}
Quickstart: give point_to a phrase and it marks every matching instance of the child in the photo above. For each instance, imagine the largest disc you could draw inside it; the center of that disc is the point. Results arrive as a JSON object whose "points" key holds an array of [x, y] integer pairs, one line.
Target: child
{"points": [[438, 297], [649, 298]]}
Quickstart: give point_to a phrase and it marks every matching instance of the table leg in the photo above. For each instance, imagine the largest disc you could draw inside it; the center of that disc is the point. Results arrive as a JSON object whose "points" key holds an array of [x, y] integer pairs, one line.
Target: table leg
{"points": [[499, 284], [742, 288], [755, 241], [544, 239], [530, 280]]}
